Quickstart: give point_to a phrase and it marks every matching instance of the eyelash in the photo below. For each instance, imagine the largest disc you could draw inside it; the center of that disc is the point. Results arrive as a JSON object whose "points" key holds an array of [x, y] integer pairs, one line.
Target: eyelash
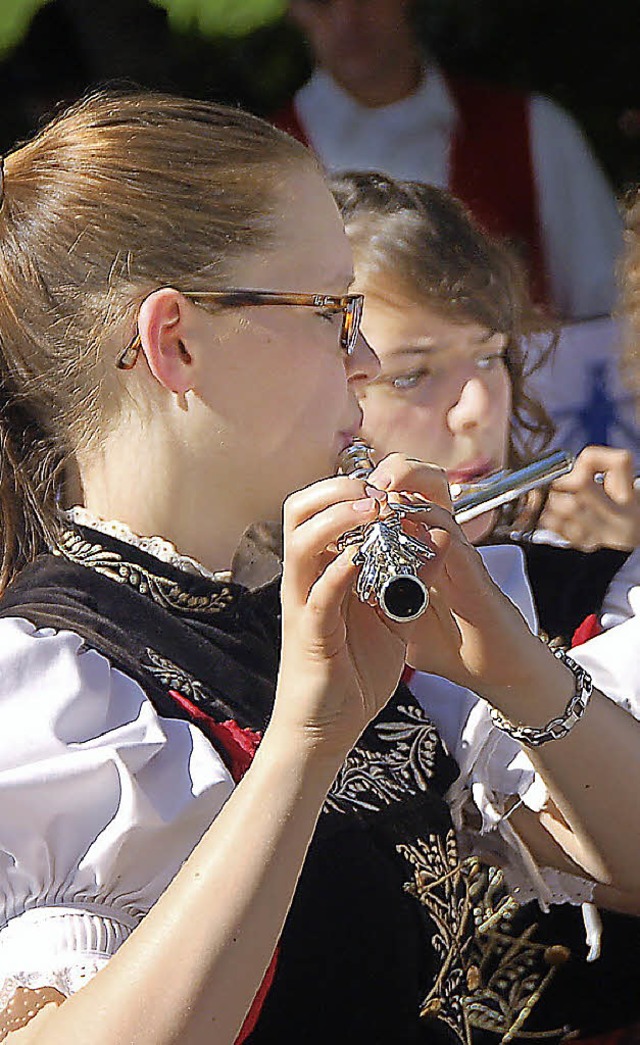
{"points": [[494, 357], [415, 376]]}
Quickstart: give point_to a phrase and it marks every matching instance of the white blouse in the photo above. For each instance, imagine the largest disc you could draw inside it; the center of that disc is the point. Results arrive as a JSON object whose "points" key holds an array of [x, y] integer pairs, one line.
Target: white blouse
{"points": [[101, 801], [411, 139], [495, 769]]}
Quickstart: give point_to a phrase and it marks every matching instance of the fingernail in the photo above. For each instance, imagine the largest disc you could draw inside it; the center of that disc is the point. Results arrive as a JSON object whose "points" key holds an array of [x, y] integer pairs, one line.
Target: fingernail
{"points": [[379, 495], [364, 505]]}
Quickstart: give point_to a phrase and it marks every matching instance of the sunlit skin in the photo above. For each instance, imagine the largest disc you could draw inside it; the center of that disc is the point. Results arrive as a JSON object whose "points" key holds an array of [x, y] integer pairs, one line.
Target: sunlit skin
{"points": [[443, 393], [248, 404], [284, 373]]}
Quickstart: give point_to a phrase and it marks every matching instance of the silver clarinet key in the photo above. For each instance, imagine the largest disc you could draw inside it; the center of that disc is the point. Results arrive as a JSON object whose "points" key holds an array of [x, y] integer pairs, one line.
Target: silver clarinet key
{"points": [[389, 558]]}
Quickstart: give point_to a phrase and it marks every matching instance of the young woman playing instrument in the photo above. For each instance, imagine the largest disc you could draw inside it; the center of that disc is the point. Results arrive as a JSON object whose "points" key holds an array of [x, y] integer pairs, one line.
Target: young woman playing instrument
{"points": [[447, 312], [180, 355]]}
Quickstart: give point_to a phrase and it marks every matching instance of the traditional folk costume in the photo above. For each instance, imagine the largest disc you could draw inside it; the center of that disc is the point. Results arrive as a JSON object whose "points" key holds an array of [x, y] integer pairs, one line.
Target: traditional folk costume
{"points": [[572, 597], [135, 688], [133, 694]]}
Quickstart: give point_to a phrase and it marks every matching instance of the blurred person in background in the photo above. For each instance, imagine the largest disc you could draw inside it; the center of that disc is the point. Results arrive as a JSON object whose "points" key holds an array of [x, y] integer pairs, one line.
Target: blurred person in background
{"points": [[377, 101]]}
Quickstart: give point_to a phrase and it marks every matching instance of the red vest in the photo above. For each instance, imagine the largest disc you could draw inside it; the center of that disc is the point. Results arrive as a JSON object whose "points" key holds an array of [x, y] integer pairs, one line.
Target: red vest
{"points": [[491, 168]]}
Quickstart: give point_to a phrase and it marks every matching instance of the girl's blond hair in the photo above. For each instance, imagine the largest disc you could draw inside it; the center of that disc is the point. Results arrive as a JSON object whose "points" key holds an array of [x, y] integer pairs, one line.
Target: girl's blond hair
{"points": [[117, 196]]}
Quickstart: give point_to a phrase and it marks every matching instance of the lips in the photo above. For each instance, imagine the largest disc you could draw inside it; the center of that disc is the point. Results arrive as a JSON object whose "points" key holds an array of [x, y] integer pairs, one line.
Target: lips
{"points": [[345, 439], [469, 473]]}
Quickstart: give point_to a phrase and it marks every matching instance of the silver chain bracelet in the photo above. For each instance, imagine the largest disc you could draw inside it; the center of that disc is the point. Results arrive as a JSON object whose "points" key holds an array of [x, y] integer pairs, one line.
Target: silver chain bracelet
{"points": [[564, 723]]}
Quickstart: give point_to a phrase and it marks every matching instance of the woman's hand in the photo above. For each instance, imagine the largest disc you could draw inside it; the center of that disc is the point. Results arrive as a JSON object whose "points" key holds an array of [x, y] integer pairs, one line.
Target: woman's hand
{"points": [[472, 633], [596, 504], [341, 659]]}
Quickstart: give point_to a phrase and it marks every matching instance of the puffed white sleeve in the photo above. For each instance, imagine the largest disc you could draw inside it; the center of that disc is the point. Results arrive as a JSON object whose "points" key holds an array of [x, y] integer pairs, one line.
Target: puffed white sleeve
{"points": [[495, 771], [612, 658], [101, 801]]}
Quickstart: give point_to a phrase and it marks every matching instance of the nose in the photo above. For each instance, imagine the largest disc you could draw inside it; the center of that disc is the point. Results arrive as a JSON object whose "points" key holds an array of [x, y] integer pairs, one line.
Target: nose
{"points": [[363, 364], [470, 406]]}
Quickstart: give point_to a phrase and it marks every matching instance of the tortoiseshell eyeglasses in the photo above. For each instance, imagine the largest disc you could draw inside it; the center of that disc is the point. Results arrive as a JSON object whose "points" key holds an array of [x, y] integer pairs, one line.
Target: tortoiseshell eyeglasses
{"points": [[350, 305]]}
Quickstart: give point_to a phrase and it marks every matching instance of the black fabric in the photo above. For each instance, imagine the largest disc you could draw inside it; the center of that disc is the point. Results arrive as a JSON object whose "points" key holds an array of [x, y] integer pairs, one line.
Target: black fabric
{"points": [[590, 997], [357, 955], [593, 997], [568, 585]]}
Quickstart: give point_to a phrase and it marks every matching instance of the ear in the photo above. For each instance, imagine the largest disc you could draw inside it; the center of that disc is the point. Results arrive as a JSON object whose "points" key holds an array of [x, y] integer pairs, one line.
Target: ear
{"points": [[164, 329]]}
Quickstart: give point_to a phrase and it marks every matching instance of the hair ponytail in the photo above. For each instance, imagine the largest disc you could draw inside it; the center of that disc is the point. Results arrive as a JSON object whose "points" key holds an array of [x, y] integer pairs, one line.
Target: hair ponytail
{"points": [[29, 469], [30, 472]]}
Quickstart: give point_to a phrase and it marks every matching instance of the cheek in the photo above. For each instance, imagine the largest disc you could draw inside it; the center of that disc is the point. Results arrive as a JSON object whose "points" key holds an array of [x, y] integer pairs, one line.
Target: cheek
{"points": [[319, 402], [504, 406], [293, 401], [393, 424]]}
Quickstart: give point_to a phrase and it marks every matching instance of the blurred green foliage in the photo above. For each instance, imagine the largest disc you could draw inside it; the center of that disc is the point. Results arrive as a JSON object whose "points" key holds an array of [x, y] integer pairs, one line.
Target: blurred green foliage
{"points": [[224, 17], [583, 53], [15, 19]]}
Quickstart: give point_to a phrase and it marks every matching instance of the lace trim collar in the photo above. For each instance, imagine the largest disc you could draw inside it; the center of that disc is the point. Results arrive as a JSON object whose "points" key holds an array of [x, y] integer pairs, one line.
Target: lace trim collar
{"points": [[158, 547]]}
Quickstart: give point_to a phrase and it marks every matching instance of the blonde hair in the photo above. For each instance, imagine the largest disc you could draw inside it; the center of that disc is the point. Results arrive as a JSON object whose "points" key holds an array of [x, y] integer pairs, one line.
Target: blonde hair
{"points": [[117, 196]]}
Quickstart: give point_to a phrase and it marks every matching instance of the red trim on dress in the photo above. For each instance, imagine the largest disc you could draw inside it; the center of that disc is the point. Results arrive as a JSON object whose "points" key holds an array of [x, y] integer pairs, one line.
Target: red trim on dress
{"points": [[240, 745], [492, 167], [408, 674], [256, 1007], [589, 628], [287, 120], [622, 1036]]}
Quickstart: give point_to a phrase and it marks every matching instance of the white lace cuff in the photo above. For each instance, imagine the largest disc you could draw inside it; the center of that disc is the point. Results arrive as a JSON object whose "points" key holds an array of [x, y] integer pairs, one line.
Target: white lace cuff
{"points": [[61, 947]]}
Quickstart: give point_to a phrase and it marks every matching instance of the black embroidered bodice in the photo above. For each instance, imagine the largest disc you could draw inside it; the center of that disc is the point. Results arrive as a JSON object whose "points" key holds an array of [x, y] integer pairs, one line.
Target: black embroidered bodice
{"points": [[375, 948]]}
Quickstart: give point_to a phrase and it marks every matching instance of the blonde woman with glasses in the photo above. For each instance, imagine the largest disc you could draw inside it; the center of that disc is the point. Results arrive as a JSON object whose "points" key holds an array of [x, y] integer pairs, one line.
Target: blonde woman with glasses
{"points": [[179, 355]]}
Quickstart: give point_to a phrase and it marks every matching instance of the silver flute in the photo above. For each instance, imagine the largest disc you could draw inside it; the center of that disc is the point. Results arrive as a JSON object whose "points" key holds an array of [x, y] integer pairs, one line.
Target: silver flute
{"points": [[389, 559], [473, 499]]}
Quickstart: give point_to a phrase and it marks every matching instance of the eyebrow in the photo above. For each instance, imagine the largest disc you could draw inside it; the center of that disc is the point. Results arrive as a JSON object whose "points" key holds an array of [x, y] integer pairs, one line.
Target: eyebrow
{"points": [[416, 350], [428, 349]]}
